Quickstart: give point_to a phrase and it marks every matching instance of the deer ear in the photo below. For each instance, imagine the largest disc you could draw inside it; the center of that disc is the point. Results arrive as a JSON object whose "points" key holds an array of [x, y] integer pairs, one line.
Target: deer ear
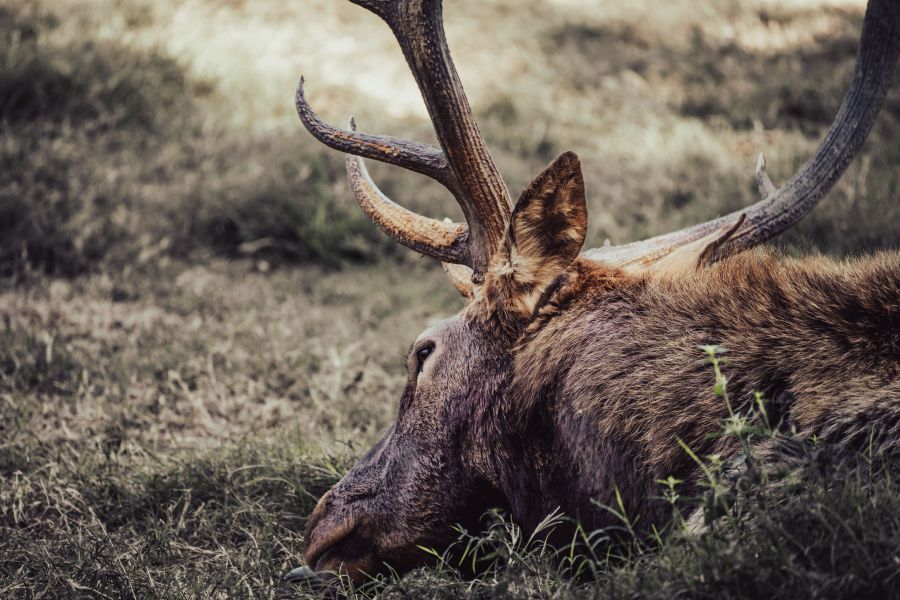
{"points": [[546, 230]]}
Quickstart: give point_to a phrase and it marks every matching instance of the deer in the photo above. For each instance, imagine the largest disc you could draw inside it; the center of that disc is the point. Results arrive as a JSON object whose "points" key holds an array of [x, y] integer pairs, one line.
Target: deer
{"points": [[570, 374]]}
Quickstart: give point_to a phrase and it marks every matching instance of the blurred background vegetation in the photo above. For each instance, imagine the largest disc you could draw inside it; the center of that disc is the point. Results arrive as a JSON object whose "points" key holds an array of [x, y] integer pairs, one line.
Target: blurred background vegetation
{"points": [[198, 328], [134, 130]]}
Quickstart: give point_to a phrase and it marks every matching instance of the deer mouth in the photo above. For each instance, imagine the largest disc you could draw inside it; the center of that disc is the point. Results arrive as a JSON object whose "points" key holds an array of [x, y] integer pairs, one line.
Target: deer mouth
{"points": [[345, 551], [349, 548]]}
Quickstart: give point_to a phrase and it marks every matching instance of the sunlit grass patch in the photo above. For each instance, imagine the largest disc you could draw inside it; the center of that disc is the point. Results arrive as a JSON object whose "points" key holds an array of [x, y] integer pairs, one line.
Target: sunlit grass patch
{"points": [[117, 150], [107, 160]]}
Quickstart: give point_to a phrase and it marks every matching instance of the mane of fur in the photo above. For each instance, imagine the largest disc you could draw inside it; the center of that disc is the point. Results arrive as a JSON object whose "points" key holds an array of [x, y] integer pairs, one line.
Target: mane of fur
{"points": [[611, 362]]}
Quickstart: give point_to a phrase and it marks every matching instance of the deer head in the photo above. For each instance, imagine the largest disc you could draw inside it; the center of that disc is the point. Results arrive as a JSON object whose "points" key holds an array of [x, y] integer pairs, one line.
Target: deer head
{"points": [[464, 438]]}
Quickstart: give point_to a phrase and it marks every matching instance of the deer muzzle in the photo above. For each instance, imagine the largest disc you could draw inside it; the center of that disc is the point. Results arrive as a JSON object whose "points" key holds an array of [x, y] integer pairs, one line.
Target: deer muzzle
{"points": [[336, 541]]}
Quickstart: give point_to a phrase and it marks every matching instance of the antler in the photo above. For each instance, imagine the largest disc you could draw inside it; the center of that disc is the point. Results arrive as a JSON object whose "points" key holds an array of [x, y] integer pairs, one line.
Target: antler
{"points": [[779, 209], [462, 164], [446, 241]]}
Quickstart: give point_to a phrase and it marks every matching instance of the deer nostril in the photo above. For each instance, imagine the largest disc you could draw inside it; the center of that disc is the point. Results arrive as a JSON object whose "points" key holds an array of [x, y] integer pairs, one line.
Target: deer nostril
{"points": [[325, 558], [333, 532], [347, 549]]}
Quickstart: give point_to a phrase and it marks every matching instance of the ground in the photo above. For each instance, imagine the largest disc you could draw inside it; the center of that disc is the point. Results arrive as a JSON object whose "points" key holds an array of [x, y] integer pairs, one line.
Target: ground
{"points": [[200, 331]]}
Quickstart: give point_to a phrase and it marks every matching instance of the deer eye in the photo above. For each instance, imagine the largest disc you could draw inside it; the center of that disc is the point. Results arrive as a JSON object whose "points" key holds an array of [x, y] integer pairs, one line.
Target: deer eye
{"points": [[422, 354]]}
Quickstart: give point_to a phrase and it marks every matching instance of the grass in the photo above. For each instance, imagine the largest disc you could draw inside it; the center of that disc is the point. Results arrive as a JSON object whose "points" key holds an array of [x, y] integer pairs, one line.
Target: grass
{"points": [[115, 151], [106, 161], [112, 513], [123, 524], [828, 534], [199, 331], [130, 458]]}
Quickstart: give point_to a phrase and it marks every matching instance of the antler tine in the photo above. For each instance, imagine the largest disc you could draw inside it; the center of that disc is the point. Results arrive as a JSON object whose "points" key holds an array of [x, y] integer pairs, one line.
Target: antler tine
{"points": [[763, 181], [443, 240], [460, 278], [415, 156], [779, 209], [419, 29]]}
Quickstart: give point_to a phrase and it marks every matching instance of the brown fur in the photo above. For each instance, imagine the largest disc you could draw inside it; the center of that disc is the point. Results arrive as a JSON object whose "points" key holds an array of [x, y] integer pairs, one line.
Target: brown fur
{"points": [[563, 380], [618, 357]]}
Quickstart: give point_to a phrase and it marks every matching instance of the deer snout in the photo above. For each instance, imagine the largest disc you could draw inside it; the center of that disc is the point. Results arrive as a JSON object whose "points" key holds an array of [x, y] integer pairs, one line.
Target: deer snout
{"points": [[335, 539]]}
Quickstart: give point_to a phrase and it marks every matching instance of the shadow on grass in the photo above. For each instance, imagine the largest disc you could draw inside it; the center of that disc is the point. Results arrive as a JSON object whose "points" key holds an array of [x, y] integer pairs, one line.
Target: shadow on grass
{"points": [[106, 162]]}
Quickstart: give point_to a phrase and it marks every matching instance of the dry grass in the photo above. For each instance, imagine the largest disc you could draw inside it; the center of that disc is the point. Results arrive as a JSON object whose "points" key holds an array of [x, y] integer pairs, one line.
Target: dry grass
{"points": [[198, 330], [166, 432], [194, 356]]}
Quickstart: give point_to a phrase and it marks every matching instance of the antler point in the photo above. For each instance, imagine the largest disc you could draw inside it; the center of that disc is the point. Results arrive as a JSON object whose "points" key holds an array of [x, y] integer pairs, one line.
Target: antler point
{"points": [[761, 163]]}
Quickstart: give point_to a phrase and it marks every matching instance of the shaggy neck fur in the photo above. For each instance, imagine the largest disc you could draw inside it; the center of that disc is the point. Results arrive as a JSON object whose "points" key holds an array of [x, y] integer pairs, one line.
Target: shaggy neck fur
{"points": [[609, 375]]}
